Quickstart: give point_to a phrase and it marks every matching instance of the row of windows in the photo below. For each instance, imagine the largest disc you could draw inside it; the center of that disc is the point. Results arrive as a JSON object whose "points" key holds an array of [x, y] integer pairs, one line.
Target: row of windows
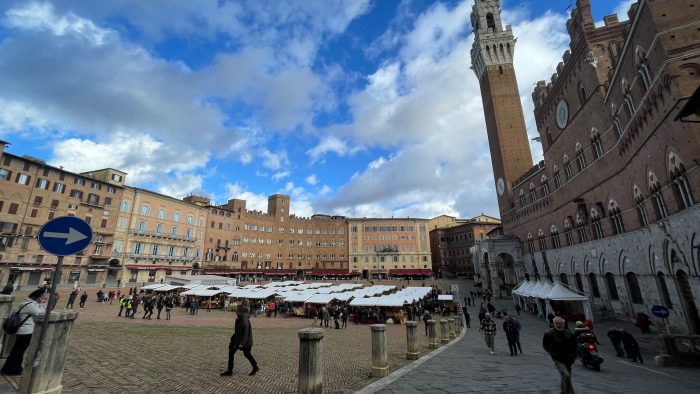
{"points": [[45, 184], [157, 250], [382, 259], [682, 194], [631, 280], [161, 213], [368, 229]]}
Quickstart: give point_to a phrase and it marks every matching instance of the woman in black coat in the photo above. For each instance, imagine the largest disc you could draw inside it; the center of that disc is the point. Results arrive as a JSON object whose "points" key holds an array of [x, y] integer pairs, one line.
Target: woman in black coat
{"points": [[242, 338]]}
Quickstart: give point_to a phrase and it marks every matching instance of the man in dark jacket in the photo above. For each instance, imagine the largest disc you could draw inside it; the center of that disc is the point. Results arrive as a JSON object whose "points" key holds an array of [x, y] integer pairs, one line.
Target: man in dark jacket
{"points": [[242, 338], [560, 343], [615, 335], [511, 332]]}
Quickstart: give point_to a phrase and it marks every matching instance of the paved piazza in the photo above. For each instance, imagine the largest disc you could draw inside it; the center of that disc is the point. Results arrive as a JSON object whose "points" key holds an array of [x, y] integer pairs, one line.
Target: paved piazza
{"points": [[108, 354], [115, 355]]}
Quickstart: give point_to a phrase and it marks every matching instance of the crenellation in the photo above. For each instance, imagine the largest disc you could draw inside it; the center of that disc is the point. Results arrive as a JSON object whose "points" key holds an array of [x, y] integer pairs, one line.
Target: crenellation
{"points": [[610, 20]]}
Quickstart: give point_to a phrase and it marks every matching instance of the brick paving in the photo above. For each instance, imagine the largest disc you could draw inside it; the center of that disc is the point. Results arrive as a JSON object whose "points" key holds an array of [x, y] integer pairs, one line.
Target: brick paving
{"points": [[108, 354]]}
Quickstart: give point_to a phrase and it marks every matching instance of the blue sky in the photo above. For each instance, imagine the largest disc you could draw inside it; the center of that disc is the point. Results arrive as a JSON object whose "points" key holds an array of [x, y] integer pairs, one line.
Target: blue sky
{"points": [[359, 108]]}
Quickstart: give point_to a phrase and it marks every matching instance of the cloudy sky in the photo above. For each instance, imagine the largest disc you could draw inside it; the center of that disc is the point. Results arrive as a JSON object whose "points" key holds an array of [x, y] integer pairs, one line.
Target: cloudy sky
{"points": [[357, 108]]}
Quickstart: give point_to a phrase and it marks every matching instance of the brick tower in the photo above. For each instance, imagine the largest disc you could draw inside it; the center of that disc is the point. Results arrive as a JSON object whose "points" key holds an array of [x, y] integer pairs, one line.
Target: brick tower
{"points": [[492, 61]]}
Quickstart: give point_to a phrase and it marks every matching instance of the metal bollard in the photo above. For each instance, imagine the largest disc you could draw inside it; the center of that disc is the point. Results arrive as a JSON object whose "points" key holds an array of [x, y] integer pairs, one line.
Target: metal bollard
{"points": [[310, 361], [380, 359], [444, 333], [433, 342], [411, 340]]}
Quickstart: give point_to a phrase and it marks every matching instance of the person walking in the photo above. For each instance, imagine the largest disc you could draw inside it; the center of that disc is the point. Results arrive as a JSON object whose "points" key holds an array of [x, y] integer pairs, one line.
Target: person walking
{"points": [[560, 343], [83, 298], [122, 305], [345, 315], [631, 346], [159, 306], [242, 338], [511, 332], [426, 317], [168, 308], [467, 318], [488, 328], [518, 326], [128, 304], [71, 298], [26, 311], [615, 335]]}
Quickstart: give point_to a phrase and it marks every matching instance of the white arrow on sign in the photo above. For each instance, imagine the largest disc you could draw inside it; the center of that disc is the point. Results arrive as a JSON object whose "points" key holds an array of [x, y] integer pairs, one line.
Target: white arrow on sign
{"points": [[71, 236]]}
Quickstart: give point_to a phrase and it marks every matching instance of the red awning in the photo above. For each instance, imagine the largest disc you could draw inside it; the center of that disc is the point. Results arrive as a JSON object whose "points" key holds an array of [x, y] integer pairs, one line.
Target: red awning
{"points": [[330, 272], [410, 272], [159, 267]]}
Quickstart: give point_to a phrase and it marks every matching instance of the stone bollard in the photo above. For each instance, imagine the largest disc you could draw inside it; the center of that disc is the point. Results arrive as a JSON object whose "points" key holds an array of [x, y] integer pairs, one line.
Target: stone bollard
{"points": [[411, 340], [380, 359], [444, 333], [433, 342], [49, 373], [451, 328], [5, 309], [310, 379]]}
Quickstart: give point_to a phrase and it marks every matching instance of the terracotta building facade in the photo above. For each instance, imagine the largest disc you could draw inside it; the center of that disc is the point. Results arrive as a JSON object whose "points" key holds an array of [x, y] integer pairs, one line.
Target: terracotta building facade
{"points": [[274, 243], [32, 193], [612, 209], [450, 245]]}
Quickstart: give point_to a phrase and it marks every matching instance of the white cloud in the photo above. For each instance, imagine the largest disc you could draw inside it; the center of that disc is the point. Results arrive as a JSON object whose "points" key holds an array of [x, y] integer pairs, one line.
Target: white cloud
{"points": [[280, 175], [424, 107], [328, 144], [311, 179]]}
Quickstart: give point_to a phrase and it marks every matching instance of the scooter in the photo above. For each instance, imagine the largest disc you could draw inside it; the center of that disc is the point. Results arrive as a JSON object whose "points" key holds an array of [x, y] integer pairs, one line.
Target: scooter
{"points": [[588, 351]]}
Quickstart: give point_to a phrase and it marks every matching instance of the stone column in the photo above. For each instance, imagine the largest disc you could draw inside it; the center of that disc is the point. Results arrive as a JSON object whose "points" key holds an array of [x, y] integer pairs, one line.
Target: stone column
{"points": [[433, 342], [451, 328], [5, 309], [49, 373], [380, 359], [444, 333], [310, 361], [411, 340]]}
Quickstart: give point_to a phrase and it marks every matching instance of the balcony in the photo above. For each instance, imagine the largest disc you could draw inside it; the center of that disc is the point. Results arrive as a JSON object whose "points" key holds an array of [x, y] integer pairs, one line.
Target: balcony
{"points": [[162, 235]]}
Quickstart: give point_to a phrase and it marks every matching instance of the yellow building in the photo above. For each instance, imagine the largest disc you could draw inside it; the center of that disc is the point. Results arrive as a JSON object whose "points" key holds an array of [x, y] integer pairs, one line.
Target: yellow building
{"points": [[389, 247], [157, 235]]}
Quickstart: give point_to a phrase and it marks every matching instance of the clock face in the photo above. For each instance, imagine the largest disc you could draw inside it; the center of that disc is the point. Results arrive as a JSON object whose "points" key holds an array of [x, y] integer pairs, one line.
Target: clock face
{"points": [[501, 186], [562, 114]]}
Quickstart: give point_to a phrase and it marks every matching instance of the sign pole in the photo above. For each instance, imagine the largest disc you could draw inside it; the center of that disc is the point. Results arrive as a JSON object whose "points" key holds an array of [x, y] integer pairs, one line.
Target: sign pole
{"points": [[45, 323]]}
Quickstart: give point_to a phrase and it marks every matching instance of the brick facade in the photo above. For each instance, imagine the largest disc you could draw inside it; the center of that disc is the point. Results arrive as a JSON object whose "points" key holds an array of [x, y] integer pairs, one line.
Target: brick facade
{"points": [[614, 203]]}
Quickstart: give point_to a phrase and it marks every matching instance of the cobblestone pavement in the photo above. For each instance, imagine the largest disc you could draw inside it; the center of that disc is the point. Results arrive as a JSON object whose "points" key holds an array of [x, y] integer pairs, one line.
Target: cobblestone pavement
{"points": [[466, 366], [108, 354]]}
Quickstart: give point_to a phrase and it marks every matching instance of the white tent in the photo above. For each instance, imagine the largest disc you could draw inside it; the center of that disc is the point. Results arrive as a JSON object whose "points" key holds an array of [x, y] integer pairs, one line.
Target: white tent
{"points": [[390, 300], [322, 299], [445, 297], [152, 286], [543, 291], [561, 293], [523, 289], [372, 301], [166, 288], [299, 297]]}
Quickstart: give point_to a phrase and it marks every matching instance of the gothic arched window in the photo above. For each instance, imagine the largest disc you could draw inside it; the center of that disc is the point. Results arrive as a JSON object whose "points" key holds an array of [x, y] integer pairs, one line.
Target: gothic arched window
{"points": [[490, 21], [633, 285], [681, 188], [611, 287]]}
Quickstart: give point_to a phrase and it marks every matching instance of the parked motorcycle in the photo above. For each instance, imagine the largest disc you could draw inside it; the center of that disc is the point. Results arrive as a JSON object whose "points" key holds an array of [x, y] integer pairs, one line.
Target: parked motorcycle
{"points": [[588, 351]]}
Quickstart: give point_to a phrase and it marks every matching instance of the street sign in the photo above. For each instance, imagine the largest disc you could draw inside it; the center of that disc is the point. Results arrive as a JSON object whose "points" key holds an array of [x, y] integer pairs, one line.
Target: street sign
{"points": [[660, 311], [65, 235]]}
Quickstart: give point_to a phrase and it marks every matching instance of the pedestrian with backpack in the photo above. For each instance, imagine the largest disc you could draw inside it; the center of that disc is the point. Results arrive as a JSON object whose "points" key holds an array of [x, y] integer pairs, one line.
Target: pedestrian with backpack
{"points": [[25, 312]]}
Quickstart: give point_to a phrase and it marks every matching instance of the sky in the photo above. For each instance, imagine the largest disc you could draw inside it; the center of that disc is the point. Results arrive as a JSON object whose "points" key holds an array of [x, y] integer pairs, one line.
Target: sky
{"points": [[358, 108]]}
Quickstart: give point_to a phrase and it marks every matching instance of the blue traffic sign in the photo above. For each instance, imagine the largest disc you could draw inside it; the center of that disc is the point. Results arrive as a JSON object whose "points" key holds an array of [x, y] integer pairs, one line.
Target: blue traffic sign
{"points": [[65, 235], [660, 311]]}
